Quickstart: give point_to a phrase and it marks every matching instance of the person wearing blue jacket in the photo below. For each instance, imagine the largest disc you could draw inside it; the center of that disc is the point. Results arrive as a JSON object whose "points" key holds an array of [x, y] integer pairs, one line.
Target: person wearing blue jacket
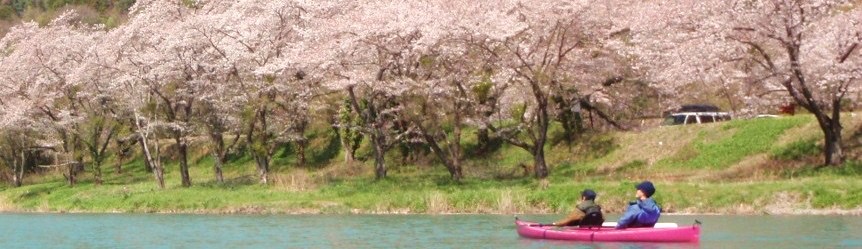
{"points": [[644, 212]]}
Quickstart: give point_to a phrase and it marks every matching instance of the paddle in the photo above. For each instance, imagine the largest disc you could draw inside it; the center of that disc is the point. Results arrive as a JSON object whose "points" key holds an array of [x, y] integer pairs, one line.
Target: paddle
{"points": [[541, 225], [536, 224]]}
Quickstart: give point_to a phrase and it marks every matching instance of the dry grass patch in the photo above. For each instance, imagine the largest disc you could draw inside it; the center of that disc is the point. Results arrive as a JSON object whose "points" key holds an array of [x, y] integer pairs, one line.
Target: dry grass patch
{"points": [[751, 168], [294, 181], [510, 202], [652, 145], [437, 203], [5, 206]]}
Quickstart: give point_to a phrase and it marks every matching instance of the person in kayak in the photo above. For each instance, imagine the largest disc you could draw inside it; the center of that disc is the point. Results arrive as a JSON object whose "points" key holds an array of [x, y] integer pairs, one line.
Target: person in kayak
{"points": [[644, 212], [586, 213]]}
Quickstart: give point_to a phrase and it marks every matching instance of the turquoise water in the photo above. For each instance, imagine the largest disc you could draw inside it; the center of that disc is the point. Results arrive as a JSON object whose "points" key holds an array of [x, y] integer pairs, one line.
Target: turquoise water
{"points": [[390, 231]]}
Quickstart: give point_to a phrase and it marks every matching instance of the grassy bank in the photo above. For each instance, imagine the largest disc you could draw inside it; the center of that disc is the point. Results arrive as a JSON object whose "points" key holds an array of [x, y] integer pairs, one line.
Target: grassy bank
{"points": [[740, 167]]}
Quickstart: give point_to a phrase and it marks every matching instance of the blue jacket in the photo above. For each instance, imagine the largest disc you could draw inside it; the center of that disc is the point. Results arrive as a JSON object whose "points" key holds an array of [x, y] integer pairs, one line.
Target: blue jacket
{"points": [[644, 213]]}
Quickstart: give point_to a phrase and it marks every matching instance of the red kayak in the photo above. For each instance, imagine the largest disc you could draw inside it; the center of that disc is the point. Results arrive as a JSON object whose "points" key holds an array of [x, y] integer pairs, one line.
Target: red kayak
{"points": [[647, 234]]}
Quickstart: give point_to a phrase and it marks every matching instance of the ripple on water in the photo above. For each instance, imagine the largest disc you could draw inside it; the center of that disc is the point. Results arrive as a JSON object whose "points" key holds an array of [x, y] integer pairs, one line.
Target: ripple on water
{"points": [[391, 231]]}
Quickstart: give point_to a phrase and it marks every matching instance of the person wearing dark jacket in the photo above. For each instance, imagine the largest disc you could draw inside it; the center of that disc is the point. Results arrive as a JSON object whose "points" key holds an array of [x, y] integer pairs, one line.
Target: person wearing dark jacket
{"points": [[586, 213], [644, 212]]}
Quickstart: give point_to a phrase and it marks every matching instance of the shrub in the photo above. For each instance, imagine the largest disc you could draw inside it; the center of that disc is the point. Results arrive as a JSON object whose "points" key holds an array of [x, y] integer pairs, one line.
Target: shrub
{"points": [[6, 12]]}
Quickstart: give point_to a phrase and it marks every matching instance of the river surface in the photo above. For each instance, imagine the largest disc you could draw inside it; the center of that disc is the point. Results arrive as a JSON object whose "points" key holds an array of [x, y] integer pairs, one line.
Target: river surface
{"points": [[392, 231]]}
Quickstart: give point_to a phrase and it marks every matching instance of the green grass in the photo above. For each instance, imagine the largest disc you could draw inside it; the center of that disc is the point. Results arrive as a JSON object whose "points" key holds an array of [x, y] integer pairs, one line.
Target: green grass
{"points": [[748, 137], [400, 195], [610, 163], [797, 150]]}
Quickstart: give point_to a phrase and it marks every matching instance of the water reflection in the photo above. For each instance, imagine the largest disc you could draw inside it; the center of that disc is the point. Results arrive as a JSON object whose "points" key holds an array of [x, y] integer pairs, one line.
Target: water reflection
{"points": [[392, 231]]}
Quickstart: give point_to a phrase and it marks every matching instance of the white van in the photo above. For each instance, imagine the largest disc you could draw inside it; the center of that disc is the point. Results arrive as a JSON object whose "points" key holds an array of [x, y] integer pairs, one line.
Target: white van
{"points": [[683, 118]]}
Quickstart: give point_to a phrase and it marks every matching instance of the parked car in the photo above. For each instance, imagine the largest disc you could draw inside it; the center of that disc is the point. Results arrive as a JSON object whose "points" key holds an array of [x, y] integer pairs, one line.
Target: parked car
{"points": [[696, 114]]}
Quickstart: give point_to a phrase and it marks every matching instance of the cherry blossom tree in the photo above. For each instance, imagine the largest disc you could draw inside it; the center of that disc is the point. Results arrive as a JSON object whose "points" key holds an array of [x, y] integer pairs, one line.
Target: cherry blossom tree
{"points": [[538, 45], [263, 47], [816, 61], [183, 65], [452, 87], [45, 62], [147, 76], [455, 83], [439, 106], [805, 49], [378, 55], [545, 56], [15, 143]]}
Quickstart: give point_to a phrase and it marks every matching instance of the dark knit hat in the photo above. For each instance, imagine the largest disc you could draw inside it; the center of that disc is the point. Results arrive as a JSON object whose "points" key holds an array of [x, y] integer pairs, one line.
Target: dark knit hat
{"points": [[589, 194], [646, 187]]}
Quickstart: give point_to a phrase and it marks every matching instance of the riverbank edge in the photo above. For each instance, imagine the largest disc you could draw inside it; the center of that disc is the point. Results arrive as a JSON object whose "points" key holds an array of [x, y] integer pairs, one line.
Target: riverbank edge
{"points": [[264, 211]]}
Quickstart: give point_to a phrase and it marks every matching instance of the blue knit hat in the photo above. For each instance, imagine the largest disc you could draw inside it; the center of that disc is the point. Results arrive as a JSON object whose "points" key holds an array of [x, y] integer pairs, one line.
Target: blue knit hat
{"points": [[646, 187], [589, 194]]}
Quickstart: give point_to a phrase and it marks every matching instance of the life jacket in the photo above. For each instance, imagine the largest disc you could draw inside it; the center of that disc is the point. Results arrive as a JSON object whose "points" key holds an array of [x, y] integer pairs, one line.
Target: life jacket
{"points": [[593, 216]]}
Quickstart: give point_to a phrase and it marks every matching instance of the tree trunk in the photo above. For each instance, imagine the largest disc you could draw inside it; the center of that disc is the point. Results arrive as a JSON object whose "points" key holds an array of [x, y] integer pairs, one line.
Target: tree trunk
{"points": [[69, 148], [378, 139], [153, 165], [541, 168], [455, 148], [262, 168], [123, 151], [184, 164], [300, 147], [158, 168], [18, 178], [348, 153], [71, 177], [263, 152], [484, 141], [452, 164], [219, 159], [379, 156], [144, 147], [833, 149], [97, 172], [151, 160], [542, 136], [118, 165], [455, 171], [160, 175], [219, 152], [486, 107]]}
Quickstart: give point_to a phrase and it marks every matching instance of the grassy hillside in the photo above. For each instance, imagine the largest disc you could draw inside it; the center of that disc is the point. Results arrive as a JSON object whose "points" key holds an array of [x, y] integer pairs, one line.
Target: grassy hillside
{"points": [[108, 12], [743, 166]]}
